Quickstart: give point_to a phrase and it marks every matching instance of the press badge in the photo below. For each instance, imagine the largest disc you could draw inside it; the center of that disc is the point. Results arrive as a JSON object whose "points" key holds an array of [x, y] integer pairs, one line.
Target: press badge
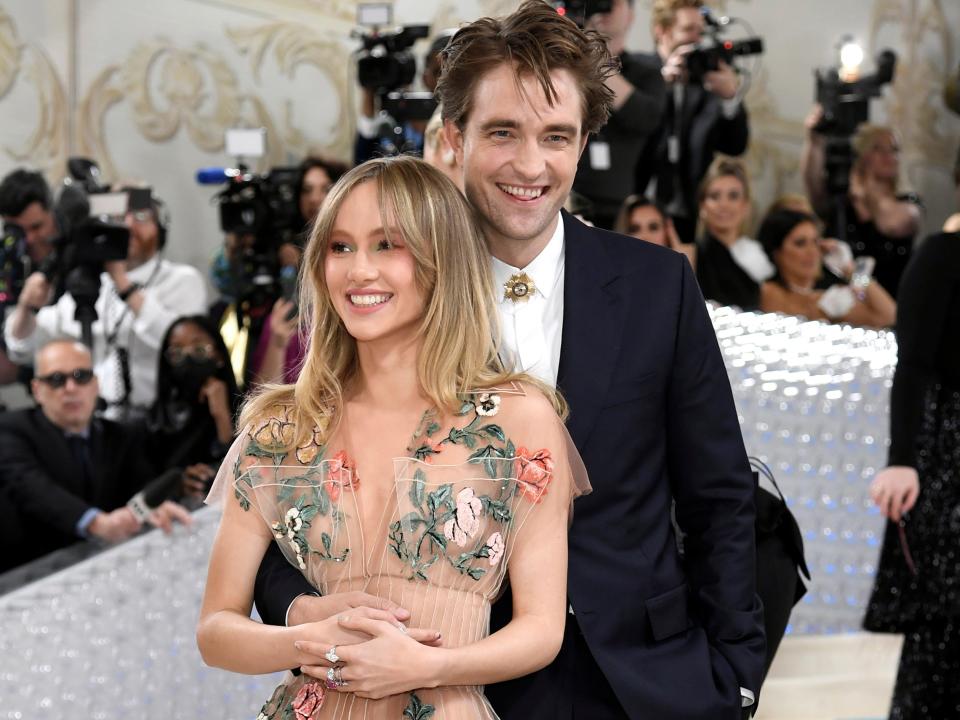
{"points": [[600, 155]]}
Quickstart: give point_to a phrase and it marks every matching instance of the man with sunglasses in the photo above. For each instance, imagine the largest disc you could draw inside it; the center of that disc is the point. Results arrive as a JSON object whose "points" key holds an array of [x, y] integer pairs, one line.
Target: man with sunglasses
{"points": [[67, 475], [139, 298]]}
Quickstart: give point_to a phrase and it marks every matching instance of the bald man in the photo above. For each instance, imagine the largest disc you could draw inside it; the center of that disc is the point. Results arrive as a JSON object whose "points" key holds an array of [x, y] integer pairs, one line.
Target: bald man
{"points": [[67, 475]]}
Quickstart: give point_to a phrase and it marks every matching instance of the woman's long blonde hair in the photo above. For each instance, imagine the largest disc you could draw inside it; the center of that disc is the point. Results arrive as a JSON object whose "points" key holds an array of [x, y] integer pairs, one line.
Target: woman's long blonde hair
{"points": [[459, 331]]}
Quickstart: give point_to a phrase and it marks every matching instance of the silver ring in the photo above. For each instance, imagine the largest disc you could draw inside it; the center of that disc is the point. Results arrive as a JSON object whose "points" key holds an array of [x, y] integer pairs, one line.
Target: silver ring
{"points": [[332, 655], [334, 679]]}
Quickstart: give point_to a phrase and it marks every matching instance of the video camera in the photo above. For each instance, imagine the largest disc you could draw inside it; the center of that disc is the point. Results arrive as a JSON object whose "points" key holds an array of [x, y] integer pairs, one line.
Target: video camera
{"points": [[580, 10], [261, 210], [845, 99], [708, 53], [386, 65]]}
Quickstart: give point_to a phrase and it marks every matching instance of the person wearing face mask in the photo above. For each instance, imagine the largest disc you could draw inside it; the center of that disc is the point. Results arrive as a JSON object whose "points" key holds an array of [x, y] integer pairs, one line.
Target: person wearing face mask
{"points": [[191, 423]]}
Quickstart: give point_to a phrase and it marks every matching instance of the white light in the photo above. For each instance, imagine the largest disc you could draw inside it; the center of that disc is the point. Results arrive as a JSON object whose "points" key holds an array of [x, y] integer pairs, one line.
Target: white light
{"points": [[851, 55]]}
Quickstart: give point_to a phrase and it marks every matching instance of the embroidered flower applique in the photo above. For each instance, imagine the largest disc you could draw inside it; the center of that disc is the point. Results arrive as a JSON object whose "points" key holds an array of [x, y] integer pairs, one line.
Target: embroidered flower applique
{"points": [[534, 471], [308, 700], [466, 520], [341, 475], [488, 404], [495, 546]]}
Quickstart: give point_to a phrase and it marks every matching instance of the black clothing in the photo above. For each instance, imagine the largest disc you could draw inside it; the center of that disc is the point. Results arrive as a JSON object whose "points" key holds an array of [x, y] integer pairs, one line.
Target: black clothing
{"points": [[625, 134], [928, 338], [46, 489], [721, 279], [917, 589], [702, 131], [891, 253]]}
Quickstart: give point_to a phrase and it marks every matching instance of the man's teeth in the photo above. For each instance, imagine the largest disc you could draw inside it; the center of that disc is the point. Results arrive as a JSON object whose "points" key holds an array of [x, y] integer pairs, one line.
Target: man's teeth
{"points": [[369, 299], [527, 193]]}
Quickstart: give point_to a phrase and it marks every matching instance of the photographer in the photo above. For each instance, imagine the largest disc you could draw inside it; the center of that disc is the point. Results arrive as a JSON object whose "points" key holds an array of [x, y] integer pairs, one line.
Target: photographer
{"points": [[139, 297], [30, 229], [372, 121], [605, 175], [880, 222], [702, 117]]}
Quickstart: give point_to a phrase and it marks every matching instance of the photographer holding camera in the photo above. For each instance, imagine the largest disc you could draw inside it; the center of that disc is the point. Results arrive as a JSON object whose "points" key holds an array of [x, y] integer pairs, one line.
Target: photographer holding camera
{"points": [[398, 124], [704, 113], [138, 299], [605, 175], [879, 221], [30, 228]]}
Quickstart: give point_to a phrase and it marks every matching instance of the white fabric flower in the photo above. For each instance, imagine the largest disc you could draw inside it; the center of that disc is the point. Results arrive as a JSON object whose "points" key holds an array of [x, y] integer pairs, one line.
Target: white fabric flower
{"points": [[497, 546], [488, 404]]}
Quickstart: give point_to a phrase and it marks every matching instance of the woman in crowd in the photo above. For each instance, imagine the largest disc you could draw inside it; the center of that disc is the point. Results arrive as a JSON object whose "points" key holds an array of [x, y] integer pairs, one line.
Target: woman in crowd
{"points": [[729, 265], [404, 462], [192, 421], [437, 151], [792, 241], [644, 219], [917, 590], [879, 221]]}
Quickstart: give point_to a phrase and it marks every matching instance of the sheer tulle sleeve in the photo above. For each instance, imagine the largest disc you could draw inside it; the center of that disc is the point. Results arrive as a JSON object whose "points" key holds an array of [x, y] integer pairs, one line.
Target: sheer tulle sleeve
{"points": [[223, 483]]}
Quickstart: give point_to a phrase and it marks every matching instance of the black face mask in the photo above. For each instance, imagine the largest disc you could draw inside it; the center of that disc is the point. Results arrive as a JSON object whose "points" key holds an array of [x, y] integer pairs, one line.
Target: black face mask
{"points": [[190, 374]]}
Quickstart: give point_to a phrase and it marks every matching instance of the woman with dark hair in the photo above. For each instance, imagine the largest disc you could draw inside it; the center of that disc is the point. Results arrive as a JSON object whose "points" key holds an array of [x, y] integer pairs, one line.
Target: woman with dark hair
{"points": [[192, 421], [792, 241], [730, 266], [644, 219]]}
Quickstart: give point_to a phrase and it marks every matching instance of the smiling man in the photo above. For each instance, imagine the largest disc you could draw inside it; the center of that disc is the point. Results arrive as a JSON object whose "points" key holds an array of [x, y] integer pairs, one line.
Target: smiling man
{"points": [[621, 328]]}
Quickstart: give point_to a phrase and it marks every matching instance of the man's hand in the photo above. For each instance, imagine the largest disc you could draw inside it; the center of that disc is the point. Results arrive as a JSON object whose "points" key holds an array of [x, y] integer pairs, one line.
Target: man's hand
{"points": [[36, 291], [674, 68], [895, 490], [722, 82], [195, 480], [308, 608], [164, 516], [114, 526]]}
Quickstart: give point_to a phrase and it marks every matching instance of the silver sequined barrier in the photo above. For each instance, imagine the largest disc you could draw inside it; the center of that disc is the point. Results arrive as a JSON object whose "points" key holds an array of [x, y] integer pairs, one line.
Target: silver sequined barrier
{"points": [[113, 637]]}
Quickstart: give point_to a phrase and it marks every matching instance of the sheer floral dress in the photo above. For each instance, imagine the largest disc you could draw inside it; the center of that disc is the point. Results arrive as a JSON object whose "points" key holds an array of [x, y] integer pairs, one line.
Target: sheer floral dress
{"points": [[471, 487]]}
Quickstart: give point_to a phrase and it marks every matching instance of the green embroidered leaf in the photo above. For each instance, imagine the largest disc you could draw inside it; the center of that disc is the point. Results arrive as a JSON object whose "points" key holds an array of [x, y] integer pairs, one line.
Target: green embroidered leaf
{"points": [[494, 431], [285, 493], [432, 428], [476, 573], [418, 710], [308, 513], [416, 489], [254, 450], [410, 521], [500, 511], [437, 539], [327, 542], [466, 407], [510, 451], [438, 497], [323, 501], [244, 503]]}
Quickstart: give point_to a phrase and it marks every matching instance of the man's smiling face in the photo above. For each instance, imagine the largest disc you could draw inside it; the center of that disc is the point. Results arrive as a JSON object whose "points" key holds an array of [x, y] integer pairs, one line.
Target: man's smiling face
{"points": [[519, 156]]}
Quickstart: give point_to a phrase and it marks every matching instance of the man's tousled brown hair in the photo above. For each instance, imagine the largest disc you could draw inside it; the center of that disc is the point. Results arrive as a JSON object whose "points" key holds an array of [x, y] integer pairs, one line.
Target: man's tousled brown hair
{"points": [[535, 40]]}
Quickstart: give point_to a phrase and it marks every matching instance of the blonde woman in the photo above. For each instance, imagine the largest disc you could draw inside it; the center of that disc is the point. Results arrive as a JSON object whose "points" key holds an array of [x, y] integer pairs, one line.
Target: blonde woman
{"points": [[404, 463], [879, 220]]}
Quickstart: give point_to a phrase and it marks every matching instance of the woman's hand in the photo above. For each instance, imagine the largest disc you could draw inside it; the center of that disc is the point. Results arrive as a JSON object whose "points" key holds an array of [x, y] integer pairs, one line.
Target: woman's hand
{"points": [[282, 328], [390, 659], [895, 490], [214, 394]]}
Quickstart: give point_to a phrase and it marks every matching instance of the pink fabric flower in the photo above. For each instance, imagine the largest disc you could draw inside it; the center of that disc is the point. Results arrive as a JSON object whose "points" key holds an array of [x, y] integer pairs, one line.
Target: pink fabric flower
{"points": [[308, 700], [496, 545], [466, 520], [534, 472], [341, 475]]}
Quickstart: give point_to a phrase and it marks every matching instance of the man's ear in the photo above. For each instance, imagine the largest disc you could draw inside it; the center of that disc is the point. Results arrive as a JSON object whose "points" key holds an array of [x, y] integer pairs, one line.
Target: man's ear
{"points": [[454, 138]]}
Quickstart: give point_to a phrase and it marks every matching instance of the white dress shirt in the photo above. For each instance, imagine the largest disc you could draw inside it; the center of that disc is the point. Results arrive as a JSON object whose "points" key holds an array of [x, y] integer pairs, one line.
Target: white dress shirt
{"points": [[532, 328], [170, 290]]}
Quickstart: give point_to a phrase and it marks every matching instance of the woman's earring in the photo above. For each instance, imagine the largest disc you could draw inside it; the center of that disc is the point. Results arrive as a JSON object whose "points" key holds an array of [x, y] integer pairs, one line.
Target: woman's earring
{"points": [[448, 157]]}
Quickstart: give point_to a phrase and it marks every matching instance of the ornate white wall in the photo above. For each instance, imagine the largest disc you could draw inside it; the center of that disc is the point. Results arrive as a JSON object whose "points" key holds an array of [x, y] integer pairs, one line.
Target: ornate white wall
{"points": [[147, 89]]}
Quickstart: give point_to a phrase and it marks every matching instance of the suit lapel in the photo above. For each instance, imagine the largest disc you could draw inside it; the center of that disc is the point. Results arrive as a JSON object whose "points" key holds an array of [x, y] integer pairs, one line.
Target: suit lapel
{"points": [[593, 313]]}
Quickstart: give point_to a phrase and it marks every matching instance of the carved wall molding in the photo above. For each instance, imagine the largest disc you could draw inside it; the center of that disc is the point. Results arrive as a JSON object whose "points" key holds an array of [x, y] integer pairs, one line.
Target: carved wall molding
{"points": [[46, 146]]}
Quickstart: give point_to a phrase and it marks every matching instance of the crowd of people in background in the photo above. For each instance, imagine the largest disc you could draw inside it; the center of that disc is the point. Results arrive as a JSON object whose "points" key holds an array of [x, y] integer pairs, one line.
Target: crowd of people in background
{"points": [[667, 168]]}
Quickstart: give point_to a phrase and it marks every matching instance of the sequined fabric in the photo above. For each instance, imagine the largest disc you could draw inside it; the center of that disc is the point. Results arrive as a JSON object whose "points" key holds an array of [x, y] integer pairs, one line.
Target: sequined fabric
{"points": [[926, 606]]}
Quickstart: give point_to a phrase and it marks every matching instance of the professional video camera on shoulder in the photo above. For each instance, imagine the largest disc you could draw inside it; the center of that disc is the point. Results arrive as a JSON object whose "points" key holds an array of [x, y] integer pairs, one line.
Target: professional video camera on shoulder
{"points": [[580, 10], [385, 64], [714, 47], [261, 210]]}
